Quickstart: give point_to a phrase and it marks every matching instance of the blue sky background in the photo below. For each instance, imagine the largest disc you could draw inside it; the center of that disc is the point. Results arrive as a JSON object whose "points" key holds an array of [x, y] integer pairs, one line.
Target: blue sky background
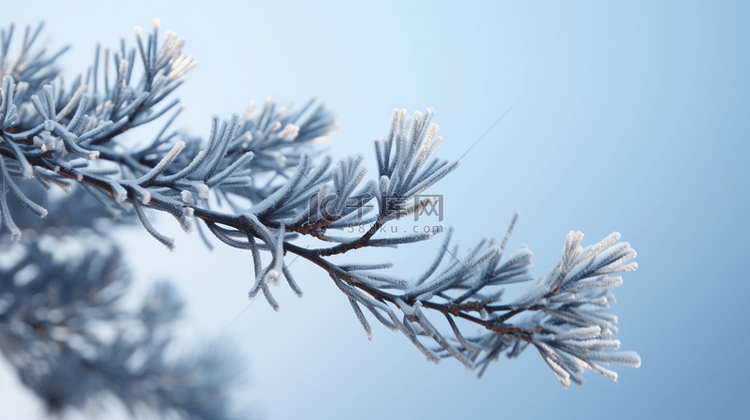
{"points": [[634, 117]]}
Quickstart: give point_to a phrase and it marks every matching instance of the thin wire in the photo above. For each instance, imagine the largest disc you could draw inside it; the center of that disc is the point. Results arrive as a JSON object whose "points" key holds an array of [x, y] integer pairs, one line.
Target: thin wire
{"points": [[494, 124]]}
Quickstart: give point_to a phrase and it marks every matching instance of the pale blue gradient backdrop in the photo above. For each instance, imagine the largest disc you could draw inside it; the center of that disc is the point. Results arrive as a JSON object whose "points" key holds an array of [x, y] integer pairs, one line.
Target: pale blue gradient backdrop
{"points": [[634, 119]]}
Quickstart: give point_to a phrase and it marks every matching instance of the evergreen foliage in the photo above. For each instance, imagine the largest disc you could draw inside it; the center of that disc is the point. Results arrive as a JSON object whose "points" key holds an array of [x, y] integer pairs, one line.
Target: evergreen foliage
{"points": [[257, 183]]}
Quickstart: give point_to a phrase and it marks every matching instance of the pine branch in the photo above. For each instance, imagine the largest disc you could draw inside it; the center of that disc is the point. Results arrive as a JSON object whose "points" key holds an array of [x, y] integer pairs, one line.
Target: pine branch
{"points": [[70, 342], [231, 184]]}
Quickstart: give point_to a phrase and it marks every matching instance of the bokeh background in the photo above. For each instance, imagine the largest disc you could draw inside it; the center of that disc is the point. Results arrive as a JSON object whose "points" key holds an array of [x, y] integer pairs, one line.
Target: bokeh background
{"points": [[633, 117]]}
